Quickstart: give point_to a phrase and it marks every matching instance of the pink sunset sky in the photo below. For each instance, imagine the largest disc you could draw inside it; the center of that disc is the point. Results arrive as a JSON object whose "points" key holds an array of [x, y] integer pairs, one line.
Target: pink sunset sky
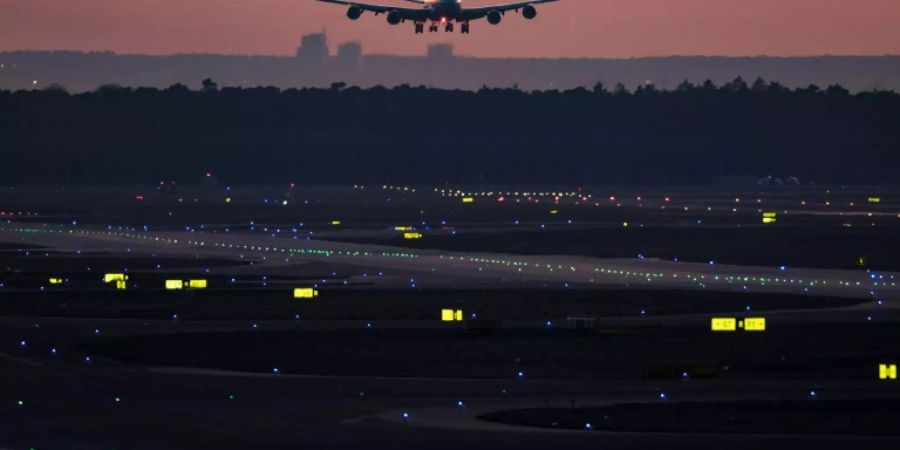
{"points": [[569, 28]]}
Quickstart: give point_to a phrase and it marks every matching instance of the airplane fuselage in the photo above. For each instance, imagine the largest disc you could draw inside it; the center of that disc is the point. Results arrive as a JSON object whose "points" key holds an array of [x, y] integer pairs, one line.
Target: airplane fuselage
{"points": [[444, 9], [440, 12]]}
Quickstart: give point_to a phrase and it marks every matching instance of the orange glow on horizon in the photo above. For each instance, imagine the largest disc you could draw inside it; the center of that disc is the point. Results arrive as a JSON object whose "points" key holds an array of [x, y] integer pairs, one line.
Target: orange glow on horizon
{"points": [[568, 28]]}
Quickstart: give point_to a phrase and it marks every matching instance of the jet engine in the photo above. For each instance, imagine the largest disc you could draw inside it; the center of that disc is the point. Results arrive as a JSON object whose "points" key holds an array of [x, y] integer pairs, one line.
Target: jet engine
{"points": [[354, 12], [493, 17], [394, 18], [529, 12]]}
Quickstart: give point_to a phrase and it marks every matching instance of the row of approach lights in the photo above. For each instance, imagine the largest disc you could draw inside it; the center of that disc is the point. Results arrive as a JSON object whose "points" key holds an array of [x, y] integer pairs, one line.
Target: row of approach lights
{"points": [[386, 187], [560, 194], [460, 193], [583, 197]]}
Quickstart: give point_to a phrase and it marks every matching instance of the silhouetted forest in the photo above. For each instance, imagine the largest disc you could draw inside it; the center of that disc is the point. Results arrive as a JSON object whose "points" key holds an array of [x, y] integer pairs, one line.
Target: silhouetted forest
{"points": [[340, 135]]}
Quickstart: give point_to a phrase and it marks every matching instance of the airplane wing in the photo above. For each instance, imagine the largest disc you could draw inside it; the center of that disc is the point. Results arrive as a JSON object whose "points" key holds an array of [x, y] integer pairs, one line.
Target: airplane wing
{"points": [[405, 13], [477, 13]]}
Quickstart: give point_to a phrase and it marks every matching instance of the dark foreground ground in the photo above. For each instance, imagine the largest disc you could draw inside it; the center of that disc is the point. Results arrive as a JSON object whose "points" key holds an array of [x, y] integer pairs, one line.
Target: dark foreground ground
{"points": [[97, 379], [787, 351], [808, 416]]}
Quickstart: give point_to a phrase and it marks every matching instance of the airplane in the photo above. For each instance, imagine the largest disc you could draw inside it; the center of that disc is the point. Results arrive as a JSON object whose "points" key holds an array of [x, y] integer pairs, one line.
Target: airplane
{"points": [[440, 12]]}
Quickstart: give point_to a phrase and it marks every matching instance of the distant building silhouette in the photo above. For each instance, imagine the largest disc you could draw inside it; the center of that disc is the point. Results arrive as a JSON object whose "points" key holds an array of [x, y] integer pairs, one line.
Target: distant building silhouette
{"points": [[313, 65], [313, 50], [440, 52], [348, 60]]}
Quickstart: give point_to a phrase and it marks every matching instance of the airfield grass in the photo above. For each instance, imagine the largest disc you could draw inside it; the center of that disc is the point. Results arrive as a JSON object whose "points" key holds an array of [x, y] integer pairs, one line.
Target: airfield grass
{"points": [[820, 417], [275, 302], [803, 352]]}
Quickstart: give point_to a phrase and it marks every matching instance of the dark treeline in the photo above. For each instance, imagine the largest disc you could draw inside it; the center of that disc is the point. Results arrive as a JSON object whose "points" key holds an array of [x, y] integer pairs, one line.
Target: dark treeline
{"points": [[340, 135]]}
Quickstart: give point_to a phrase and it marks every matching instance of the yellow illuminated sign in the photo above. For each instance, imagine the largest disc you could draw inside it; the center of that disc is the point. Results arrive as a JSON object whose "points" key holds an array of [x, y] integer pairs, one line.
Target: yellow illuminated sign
{"points": [[755, 324], [554, 212], [174, 284], [110, 277], [403, 228], [723, 324], [468, 200], [874, 199], [450, 315], [197, 284], [861, 261], [887, 371], [120, 279], [335, 222], [769, 217], [56, 281], [412, 235], [732, 324], [306, 293]]}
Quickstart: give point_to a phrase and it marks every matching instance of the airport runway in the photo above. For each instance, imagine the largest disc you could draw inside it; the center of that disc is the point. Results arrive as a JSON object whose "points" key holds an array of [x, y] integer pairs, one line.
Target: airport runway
{"points": [[442, 269]]}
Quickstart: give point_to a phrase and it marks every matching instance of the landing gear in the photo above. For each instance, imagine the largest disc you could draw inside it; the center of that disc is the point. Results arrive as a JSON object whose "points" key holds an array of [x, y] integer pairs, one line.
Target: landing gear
{"points": [[434, 27]]}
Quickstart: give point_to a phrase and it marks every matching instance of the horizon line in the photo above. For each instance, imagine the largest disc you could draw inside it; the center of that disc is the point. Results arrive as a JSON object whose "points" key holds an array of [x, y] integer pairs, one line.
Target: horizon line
{"points": [[405, 55]]}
